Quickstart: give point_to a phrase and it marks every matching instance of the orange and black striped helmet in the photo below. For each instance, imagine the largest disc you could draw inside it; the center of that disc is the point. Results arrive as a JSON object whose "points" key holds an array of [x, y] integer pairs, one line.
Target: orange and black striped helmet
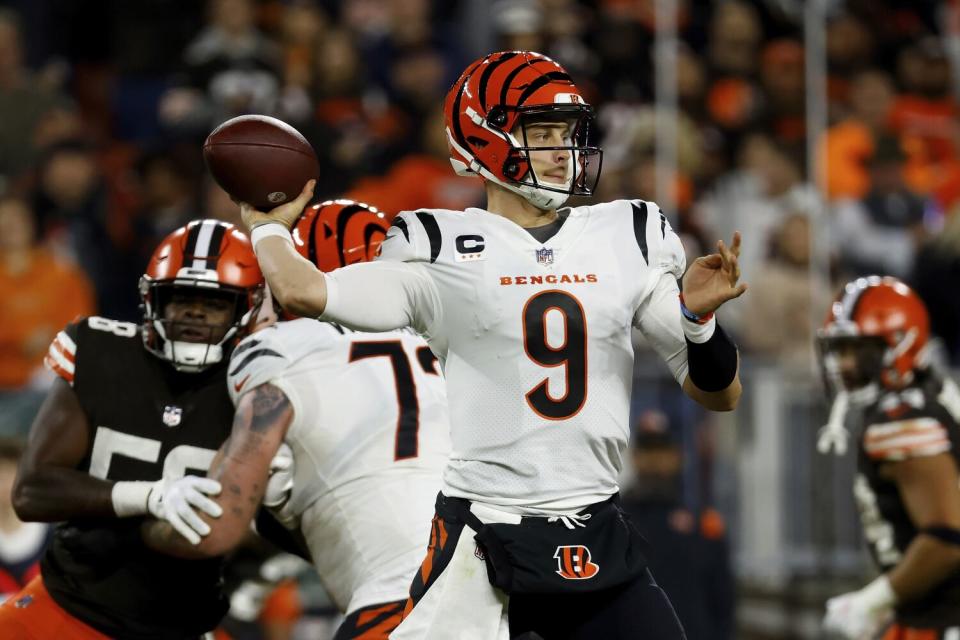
{"points": [[206, 258], [883, 311], [487, 111], [336, 233]]}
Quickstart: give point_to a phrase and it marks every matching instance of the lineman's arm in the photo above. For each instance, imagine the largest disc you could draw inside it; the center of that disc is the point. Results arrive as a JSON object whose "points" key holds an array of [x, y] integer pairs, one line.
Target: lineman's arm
{"points": [[242, 468], [929, 489], [49, 487]]}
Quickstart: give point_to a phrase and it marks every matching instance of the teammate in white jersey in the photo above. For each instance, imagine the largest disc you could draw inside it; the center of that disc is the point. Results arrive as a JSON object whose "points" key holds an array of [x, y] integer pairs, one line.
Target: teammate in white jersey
{"points": [[529, 307], [365, 419]]}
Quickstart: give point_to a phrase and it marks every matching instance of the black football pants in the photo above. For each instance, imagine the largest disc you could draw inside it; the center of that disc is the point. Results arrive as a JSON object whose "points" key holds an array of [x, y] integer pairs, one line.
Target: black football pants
{"points": [[636, 610]]}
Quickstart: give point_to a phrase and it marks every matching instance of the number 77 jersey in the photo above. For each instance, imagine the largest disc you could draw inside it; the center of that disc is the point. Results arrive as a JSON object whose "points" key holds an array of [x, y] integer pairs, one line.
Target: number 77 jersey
{"points": [[370, 436], [535, 342]]}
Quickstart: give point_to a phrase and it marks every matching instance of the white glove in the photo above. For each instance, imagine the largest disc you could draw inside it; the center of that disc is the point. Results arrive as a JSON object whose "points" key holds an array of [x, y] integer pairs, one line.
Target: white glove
{"points": [[174, 500], [860, 615], [280, 481], [276, 497]]}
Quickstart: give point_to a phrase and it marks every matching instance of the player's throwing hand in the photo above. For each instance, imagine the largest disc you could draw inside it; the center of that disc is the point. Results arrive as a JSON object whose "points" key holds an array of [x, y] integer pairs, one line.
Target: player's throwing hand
{"points": [[712, 280], [286, 214]]}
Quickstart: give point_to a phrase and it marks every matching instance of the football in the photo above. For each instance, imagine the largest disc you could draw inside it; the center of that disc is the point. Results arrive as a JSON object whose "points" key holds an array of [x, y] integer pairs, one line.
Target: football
{"points": [[260, 160]]}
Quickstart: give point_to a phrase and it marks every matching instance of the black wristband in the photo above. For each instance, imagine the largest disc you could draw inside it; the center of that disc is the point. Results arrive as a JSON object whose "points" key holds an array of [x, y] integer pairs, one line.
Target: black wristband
{"points": [[712, 364], [944, 534]]}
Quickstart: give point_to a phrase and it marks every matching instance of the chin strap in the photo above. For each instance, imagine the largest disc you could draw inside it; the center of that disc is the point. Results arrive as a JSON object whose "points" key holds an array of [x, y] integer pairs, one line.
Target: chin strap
{"points": [[192, 356], [834, 435]]}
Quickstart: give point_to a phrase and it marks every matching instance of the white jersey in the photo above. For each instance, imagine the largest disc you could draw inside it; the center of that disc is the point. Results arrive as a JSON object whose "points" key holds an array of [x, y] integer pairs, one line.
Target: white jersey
{"points": [[535, 340], [370, 436]]}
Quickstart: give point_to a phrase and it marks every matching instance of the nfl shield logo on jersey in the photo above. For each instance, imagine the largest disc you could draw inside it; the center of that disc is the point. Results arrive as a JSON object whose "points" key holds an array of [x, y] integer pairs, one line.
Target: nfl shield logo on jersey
{"points": [[172, 415], [545, 256]]}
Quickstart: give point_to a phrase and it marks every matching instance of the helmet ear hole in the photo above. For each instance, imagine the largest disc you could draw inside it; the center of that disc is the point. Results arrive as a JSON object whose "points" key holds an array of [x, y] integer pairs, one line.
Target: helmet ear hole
{"points": [[497, 117], [515, 167]]}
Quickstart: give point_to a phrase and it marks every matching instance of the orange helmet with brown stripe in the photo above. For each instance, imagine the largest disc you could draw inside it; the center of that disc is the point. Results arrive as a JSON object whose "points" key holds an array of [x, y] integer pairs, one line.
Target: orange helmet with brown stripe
{"points": [[208, 261], [884, 324], [488, 109], [337, 233]]}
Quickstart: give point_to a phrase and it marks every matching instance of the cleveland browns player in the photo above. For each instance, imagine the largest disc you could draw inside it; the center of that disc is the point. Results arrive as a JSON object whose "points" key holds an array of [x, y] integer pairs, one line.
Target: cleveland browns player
{"points": [[529, 306], [134, 409], [365, 418], [908, 450]]}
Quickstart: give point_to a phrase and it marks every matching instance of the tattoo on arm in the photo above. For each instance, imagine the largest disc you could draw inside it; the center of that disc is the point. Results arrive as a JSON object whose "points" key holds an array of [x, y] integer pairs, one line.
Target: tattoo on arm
{"points": [[269, 403], [258, 429]]}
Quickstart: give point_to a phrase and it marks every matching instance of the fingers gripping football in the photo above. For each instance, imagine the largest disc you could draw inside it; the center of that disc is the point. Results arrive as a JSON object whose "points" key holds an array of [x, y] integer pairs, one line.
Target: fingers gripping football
{"points": [[714, 279], [286, 214], [175, 501]]}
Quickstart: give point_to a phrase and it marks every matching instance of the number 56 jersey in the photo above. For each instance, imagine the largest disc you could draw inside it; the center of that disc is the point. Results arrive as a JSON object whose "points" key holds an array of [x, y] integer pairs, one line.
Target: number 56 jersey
{"points": [[535, 342], [370, 437]]}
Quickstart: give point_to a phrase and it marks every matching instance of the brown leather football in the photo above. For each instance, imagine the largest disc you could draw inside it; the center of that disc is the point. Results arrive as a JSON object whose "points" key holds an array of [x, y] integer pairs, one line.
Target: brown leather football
{"points": [[260, 160]]}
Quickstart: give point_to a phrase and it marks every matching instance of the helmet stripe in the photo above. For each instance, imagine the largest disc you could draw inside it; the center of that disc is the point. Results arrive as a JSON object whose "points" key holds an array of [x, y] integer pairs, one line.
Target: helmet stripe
{"points": [[343, 219], [457, 129], [215, 250], [851, 301], [485, 76], [505, 89], [312, 241], [542, 81], [190, 248], [203, 244], [368, 233]]}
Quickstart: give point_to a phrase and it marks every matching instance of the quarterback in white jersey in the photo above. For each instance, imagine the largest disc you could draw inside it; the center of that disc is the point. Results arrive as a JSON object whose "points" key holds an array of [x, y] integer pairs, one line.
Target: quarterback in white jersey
{"points": [[363, 416], [556, 348], [529, 307]]}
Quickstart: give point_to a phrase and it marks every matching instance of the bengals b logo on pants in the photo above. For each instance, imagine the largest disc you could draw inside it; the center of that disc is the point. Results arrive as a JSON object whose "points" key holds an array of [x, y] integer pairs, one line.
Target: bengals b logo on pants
{"points": [[573, 562]]}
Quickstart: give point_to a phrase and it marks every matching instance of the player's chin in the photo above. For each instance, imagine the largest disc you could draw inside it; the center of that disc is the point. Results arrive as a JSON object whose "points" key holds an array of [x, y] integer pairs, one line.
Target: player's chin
{"points": [[194, 335]]}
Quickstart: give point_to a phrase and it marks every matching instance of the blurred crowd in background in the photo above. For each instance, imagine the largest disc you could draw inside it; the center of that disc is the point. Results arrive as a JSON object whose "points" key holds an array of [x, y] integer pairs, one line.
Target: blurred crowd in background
{"points": [[104, 107]]}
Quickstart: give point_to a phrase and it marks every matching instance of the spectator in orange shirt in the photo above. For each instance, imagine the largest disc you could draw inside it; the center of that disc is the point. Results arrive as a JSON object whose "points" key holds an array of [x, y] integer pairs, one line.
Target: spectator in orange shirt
{"points": [[38, 294], [849, 144]]}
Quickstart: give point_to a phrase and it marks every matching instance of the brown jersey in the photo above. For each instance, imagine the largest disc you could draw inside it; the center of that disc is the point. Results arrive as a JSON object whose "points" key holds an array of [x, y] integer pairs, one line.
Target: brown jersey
{"points": [[147, 421], [919, 420]]}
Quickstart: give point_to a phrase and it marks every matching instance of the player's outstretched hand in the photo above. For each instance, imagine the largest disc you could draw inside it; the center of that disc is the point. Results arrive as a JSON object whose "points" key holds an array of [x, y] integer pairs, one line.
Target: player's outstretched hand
{"points": [[713, 279], [174, 500], [286, 214]]}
